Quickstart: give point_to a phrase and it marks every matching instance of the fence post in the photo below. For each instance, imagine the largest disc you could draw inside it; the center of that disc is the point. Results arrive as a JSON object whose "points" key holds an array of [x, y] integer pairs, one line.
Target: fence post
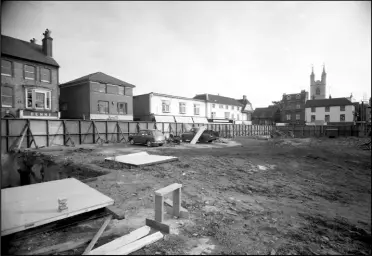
{"points": [[64, 133], [7, 134], [94, 131], [28, 133], [106, 130], [79, 132], [47, 132], [117, 131], [233, 128]]}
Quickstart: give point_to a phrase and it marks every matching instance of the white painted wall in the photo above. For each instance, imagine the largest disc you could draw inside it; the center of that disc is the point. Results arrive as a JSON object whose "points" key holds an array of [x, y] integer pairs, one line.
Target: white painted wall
{"points": [[220, 112], [334, 113], [156, 106]]}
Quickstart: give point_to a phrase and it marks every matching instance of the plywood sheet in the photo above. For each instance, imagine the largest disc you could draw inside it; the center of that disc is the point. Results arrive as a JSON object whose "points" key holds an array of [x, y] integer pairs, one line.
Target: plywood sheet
{"points": [[34, 205], [141, 159]]}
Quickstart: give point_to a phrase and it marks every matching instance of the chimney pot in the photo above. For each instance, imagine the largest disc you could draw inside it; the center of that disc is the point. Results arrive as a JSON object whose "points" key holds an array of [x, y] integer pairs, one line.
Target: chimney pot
{"points": [[33, 40], [47, 43]]}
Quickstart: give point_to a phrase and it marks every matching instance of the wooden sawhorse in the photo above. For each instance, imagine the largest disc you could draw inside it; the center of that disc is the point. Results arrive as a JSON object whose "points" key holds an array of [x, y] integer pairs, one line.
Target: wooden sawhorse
{"points": [[159, 206]]}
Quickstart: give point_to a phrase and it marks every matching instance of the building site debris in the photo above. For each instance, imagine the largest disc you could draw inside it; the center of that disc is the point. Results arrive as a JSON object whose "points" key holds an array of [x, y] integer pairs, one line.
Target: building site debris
{"points": [[141, 159], [132, 247], [98, 235], [183, 212], [19, 203]]}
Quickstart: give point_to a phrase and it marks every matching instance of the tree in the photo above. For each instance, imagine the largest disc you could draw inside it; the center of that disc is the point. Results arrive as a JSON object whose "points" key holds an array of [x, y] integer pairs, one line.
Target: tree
{"points": [[279, 104]]}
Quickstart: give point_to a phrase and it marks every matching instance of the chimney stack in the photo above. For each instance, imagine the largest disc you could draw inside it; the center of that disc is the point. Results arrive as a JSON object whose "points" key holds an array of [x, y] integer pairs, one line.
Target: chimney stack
{"points": [[206, 96], [244, 97], [33, 41], [47, 43]]}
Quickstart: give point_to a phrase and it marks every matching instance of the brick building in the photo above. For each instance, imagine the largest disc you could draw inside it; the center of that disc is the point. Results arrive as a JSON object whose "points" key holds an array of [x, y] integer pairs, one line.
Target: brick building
{"points": [[97, 96], [266, 116], [29, 78], [293, 111]]}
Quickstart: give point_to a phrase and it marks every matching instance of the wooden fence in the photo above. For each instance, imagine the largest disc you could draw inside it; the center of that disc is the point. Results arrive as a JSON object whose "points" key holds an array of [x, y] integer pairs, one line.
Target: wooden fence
{"points": [[53, 132]]}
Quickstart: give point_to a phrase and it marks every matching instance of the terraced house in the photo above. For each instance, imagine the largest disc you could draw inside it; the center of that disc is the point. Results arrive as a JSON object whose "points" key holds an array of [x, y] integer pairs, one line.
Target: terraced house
{"points": [[97, 96], [158, 107], [29, 78]]}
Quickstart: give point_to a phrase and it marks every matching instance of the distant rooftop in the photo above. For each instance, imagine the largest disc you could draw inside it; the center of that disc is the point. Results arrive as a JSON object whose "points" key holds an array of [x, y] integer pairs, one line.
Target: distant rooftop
{"points": [[100, 78]]}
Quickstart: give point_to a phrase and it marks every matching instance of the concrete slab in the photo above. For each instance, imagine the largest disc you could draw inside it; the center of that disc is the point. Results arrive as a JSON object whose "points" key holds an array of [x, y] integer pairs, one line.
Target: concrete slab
{"points": [[141, 159]]}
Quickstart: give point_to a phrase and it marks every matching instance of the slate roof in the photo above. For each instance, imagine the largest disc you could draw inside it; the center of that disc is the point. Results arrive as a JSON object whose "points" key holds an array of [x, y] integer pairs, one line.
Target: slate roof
{"points": [[328, 102], [99, 77], [25, 50], [265, 112], [219, 99]]}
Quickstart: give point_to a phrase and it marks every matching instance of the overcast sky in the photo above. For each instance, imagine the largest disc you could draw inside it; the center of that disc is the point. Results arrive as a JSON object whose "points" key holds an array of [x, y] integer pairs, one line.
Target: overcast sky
{"points": [[258, 49]]}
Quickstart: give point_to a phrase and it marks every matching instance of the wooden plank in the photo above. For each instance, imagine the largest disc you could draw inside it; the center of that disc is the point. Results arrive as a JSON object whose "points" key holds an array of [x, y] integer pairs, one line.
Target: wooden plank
{"points": [[177, 202], [158, 225], [132, 247], [98, 235], [121, 241], [35, 205], [159, 208], [198, 134], [142, 159], [168, 189]]}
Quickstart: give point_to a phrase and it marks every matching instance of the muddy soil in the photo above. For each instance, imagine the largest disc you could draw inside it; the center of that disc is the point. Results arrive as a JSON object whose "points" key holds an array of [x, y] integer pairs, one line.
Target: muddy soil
{"points": [[295, 196]]}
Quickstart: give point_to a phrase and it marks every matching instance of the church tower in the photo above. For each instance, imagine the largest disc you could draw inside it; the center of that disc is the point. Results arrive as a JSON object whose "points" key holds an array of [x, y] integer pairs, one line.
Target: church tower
{"points": [[318, 88]]}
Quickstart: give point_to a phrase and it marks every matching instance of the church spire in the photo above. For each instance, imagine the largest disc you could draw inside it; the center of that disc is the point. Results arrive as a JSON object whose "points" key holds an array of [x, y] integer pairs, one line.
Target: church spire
{"points": [[312, 76], [324, 69], [324, 75]]}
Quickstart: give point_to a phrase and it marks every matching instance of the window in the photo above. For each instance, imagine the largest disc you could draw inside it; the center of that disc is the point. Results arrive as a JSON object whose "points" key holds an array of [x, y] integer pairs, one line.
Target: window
{"points": [[288, 97], [227, 115], [342, 108], [298, 106], [6, 68], [326, 118], [112, 89], [98, 87], [6, 96], [182, 108], [298, 96], [122, 108], [312, 118], [232, 116], [121, 90], [103, 107], [326, 109], [317, 92], [38, 99], [165, 106], [312, 109], [298, 116], [342, 117], [45, 75], [213, 114], [221, 106], [29, 72], [213, 105], [196, 109], [288, 117], [227, 107]]}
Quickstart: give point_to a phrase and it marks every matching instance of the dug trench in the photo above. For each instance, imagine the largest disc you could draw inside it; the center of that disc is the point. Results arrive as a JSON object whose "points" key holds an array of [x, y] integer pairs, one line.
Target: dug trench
{"points": [[31, 167]]}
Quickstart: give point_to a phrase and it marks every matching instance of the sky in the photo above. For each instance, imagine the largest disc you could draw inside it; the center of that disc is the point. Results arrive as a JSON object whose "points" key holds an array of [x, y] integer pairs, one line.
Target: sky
{"points": [[258, 49]]}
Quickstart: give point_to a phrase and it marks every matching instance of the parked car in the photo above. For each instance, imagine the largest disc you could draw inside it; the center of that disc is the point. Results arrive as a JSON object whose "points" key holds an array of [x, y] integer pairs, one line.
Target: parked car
{"points": [[207, 135], [149, 137]]}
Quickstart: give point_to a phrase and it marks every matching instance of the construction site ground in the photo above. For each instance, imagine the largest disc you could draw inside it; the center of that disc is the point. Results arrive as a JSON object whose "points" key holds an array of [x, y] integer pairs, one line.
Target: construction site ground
{"points": [[244, 196]]}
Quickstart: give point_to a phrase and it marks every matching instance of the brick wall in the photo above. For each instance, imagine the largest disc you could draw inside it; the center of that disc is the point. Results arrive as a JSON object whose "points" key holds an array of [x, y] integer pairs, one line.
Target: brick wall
{"points": [[17, 82]]}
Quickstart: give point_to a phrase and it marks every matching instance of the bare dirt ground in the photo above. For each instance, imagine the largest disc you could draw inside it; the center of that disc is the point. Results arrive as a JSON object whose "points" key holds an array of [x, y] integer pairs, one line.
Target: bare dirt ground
{"points": [[293, 196]]}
